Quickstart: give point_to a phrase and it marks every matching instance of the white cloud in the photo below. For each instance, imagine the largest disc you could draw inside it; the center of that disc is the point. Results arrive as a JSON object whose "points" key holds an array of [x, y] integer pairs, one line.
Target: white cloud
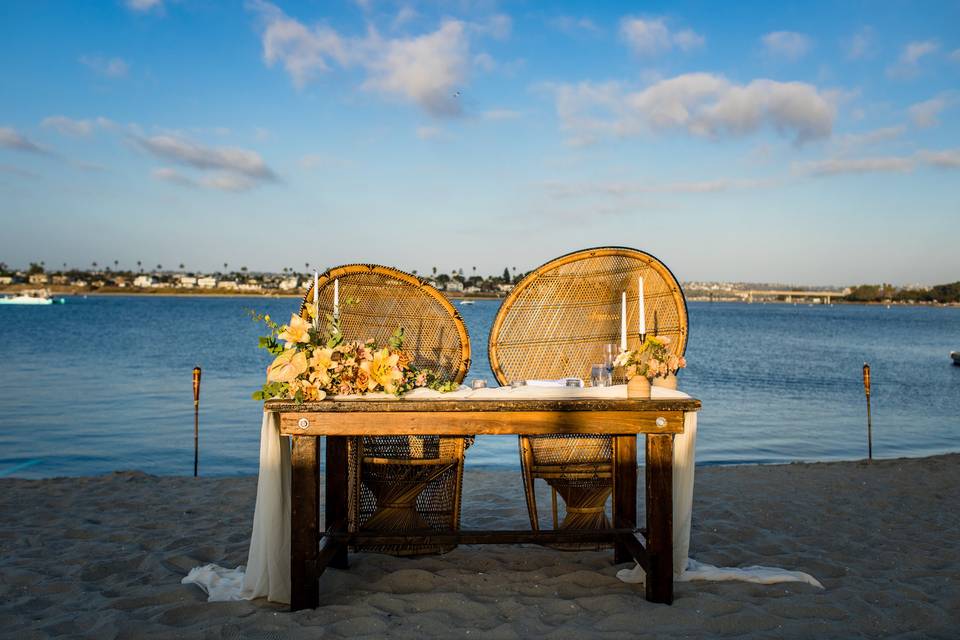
{"points": [[701, 104], [916, 50], [786, 44], [144, 6], [836, 166], [303, 52], [688, 40], [860, 44], [485, 62], [653, 36], [109, 67], [909, 62], [574, 26], [497, 26], [404, 15], [564, 190], [924, 114], [71, 127], [943, 159], [11, 139], [231, 169], [425, 70], [856, 140], [947, 159], [217, 181]]}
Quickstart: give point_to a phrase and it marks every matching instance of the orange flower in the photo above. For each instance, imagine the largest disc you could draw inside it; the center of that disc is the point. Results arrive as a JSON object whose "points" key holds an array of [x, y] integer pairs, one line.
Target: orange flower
{"points": [[383, 371], [321, 363], [288, 365], [296, 331]]}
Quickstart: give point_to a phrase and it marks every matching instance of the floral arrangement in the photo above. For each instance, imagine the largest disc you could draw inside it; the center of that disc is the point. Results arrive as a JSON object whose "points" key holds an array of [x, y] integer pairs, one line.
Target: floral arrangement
{"points": [[312, 363], [653, 359]]}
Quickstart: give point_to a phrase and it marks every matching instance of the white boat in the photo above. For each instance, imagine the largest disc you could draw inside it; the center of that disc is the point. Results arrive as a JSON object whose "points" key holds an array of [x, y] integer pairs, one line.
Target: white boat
{"points": [[465, 302], [39, 296]]}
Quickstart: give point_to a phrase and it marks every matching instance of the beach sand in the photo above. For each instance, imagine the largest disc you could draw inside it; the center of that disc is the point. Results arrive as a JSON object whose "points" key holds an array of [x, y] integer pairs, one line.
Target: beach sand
{"points": [[103, 557]]}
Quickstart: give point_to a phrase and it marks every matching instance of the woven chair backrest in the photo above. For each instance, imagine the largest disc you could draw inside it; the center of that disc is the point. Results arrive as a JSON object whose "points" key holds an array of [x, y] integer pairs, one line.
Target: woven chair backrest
{"points": [[376, 300], [557, 320]]}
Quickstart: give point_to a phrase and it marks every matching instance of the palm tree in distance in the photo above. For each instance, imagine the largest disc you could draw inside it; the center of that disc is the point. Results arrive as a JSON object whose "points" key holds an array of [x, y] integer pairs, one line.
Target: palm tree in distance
{"points": [[434, 271], [181, 266], [94, 263], [224, 267], [159, 267], [139, 266], [116, 264]]}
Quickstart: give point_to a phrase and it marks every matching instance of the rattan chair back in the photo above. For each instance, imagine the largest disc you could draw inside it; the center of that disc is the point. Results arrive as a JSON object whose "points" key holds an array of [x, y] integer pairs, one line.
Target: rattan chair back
{"points": [[557, 320], [376, 300], [398, 483]]}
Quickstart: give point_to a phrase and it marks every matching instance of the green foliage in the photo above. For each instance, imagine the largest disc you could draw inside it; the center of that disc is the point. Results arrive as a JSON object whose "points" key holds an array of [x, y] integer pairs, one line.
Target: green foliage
{"points": [[944, 293]]}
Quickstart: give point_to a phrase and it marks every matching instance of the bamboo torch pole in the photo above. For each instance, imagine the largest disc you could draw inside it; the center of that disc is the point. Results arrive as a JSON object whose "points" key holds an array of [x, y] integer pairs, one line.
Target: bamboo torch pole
{"points": [[196, 419], [866, 389]]}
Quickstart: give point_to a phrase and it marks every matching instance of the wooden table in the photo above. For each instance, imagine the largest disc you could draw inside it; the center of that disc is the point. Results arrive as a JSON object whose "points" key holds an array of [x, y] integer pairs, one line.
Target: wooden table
{"points": [[658, 419]]}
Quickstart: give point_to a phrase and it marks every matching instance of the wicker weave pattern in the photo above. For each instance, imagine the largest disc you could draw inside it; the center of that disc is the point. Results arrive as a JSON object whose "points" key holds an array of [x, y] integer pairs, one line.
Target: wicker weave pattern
{"points": [[398, 483], [557, 320], [556, 323], [376, 300]]}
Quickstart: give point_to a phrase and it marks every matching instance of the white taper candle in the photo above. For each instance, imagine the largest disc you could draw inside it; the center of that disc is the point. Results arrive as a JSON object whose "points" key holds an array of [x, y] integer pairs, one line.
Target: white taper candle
{"points": [[623, 321], [316, 289], [336, 299], [643, 313]]}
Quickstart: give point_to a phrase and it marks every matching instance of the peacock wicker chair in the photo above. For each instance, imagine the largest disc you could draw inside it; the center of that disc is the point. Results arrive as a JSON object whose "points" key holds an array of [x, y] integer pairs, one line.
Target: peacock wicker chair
{"points": [[401, 483], [555, 323]]}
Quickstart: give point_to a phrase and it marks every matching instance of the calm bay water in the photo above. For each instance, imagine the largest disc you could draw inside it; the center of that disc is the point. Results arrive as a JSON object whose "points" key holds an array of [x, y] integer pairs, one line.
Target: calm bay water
{"points": [[104, 383]]}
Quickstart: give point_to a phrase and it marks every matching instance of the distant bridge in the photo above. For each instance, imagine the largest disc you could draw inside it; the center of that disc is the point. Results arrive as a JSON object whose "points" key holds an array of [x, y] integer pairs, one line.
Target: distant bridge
{"points": [[817, 296]]}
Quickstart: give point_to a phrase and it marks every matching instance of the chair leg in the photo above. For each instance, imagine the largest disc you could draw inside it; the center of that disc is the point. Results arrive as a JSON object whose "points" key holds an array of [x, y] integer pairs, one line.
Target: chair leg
{"points": [[553, 500], [526, 468]]}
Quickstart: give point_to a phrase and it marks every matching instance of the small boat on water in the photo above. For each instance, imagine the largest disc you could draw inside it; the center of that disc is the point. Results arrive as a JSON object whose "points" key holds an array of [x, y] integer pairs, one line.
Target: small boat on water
{"points": [[465, 302], [956, 357], [34, 297]]}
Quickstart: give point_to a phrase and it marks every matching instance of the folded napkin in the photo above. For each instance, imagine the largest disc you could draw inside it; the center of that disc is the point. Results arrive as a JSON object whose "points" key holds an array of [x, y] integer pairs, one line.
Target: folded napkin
{"points": [[562, 382]]}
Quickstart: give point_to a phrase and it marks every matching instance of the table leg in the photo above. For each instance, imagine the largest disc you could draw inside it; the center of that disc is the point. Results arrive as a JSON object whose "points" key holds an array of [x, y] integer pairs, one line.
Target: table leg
{"points": [[304, 522], [337, 492], [659, 501], [624, 490]]}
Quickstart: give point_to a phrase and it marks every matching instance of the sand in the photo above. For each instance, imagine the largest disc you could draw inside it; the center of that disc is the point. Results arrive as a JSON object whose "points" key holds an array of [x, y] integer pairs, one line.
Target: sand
{"points": [[103, 557]]}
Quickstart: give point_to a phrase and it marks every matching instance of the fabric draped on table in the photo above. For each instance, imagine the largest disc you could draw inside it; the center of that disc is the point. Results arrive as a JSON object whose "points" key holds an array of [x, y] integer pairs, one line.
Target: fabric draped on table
{"points": [[268, 563]]}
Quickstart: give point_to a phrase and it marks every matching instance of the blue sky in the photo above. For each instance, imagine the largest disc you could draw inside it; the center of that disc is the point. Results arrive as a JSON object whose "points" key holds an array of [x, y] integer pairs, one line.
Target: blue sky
{"points": [[796, 142]]}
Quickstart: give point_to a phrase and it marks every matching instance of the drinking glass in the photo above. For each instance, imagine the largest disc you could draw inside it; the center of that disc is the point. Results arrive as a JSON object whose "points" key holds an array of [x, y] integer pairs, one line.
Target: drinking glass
{"points": [[479, 384], [610, 352], [599, 376]]}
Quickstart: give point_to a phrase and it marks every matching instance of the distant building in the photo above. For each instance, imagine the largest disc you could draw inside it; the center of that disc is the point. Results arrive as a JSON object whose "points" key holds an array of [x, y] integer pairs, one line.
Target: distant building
{"points": [[249, 286], [288, 284], [38, 278], [454, 285], [6, 279], [505, 287], [143, 281], [227, 284], [472, 289], [187, 282], [60, 279], [206, 282]]}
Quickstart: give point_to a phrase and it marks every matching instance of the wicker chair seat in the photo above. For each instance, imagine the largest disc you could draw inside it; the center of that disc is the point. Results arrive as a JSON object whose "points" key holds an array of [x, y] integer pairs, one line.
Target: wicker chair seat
{"points": [[401, 483]]}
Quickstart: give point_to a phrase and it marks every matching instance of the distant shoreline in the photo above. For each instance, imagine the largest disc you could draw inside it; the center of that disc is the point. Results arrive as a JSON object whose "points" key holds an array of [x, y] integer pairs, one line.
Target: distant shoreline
{"points": [[227, 293]]}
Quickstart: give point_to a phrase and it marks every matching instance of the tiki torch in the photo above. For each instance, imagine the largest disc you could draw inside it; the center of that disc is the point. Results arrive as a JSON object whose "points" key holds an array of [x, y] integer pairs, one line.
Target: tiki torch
{"points": [[866, 390], [196, 419]]}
